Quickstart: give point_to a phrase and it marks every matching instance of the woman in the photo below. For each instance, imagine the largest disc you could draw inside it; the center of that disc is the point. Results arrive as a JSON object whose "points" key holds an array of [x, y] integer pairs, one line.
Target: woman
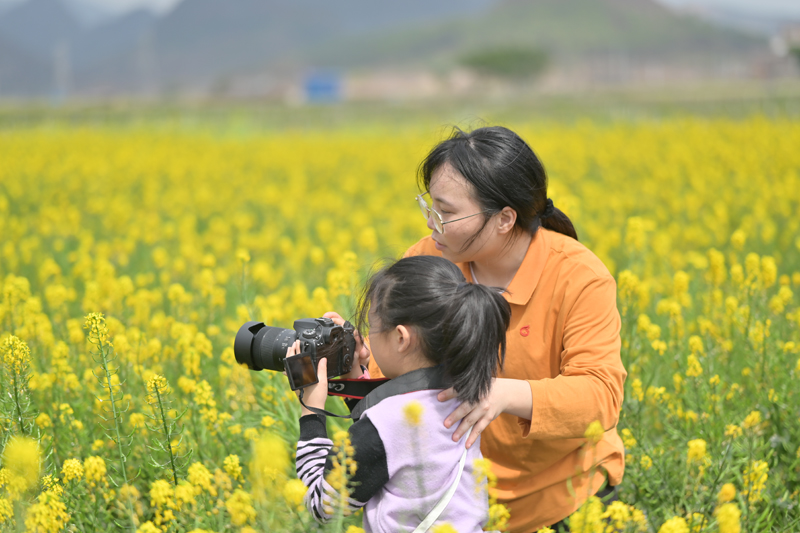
{"points": [[486, 204]]}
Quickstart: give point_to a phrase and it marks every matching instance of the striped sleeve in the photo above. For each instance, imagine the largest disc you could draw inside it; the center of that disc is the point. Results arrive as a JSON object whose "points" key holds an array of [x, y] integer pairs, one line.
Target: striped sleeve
{"points": [[314, 461]]}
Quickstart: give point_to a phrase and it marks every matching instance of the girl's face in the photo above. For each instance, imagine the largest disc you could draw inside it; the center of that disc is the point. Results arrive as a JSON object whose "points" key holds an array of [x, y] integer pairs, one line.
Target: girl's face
{"points": [[393, 349], [452, 197]]}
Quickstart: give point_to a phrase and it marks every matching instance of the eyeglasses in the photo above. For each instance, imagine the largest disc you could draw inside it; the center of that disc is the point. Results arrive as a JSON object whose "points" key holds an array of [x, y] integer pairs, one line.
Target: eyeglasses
{"points": [[429, 212]]}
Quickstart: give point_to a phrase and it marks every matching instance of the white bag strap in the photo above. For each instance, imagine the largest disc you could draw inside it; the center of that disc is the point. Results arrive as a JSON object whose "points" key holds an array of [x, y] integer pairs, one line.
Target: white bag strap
{"points": [[446, 497]]}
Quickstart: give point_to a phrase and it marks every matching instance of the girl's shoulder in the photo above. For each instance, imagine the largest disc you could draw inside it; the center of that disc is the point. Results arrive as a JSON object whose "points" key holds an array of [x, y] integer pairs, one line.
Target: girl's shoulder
{"points": [[418, 410]]}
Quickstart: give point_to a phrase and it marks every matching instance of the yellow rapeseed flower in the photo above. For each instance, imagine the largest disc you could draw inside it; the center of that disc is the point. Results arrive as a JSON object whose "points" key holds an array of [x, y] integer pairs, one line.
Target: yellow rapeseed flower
{"points": [[674, 525], [148, 527], [728, 516], [162, 494], [72, 469], [589, 518], [6, 510], [618, 515], [95, 471], [697, 451], [594, 433], [240, 508], [733, 431], [294, 492], [628, 439], [412, 413], [269, 463], [755, 480], [482, 472], [185, 494], [753, 420], [157, 387], [21, 460], [693, 368], [16, 354], [636, 389], [232, 467], [47, 515], [44, 421], [726, 493], [498, 516], [98, 329], [200, 477]]}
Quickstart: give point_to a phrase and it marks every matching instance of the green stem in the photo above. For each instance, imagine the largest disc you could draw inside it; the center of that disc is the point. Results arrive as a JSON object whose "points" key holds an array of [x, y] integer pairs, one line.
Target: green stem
{"points": [[116, 415], [167, 435], [17, 405]]}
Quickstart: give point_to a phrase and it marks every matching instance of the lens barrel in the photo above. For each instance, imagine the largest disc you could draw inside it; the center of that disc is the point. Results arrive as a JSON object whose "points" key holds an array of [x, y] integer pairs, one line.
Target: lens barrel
{"points": [[262, 347]]}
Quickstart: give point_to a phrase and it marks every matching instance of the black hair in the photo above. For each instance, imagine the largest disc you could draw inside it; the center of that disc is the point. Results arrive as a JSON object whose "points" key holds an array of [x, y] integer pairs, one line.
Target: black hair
{"points": [[460, 325], [503, 171]]}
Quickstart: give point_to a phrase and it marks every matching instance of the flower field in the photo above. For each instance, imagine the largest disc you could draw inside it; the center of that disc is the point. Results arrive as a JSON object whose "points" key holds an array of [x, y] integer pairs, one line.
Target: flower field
{"points": [[130, 256]]}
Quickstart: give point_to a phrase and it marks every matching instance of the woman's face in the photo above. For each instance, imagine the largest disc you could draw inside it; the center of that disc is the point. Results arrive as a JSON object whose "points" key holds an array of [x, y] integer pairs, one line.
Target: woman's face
{"points": [[452, 197]]}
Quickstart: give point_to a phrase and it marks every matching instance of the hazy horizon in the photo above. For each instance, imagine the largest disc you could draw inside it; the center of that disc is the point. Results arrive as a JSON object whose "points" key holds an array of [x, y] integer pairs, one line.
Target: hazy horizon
{"points": [[769, 8]]}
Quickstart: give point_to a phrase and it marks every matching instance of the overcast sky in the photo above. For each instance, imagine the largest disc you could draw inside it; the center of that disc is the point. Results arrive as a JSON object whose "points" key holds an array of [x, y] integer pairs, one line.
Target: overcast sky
{"points": [[761, 7]]}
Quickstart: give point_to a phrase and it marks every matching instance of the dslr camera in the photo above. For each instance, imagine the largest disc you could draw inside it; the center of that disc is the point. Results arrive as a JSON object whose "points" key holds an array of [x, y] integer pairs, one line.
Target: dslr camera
{"points": [[264, 347]]}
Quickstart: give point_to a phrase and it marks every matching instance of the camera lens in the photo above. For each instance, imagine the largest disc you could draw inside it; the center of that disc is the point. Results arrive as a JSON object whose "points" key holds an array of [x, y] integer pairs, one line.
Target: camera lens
{"points": [[262, 347]]}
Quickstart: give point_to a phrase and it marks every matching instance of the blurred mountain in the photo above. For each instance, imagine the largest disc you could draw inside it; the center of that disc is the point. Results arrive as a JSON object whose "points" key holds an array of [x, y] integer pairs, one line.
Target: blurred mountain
{"points": [[766, 24], [570, 30], [38, 26], [203, 43], [21, 73], [90, 14]]}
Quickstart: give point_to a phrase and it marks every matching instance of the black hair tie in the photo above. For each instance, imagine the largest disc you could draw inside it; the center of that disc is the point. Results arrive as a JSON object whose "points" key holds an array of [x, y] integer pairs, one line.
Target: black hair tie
{"points": [[549, 209], [461, 286]]}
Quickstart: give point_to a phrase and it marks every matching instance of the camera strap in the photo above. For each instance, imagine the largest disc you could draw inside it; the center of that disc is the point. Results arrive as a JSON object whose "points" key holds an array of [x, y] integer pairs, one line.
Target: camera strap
{"points": [[354, 389], [380, 389]]}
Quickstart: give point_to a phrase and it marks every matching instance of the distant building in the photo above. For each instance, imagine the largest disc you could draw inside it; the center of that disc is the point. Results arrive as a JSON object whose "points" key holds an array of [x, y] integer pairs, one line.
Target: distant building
{"points": [[791, 33], [786, 39], [323, 87]]}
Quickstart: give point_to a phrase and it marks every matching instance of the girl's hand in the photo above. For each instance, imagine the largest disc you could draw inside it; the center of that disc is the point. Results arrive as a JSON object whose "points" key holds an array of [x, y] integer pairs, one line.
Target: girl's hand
{"points": [[313, 395], [362, 352], [512, 396]]}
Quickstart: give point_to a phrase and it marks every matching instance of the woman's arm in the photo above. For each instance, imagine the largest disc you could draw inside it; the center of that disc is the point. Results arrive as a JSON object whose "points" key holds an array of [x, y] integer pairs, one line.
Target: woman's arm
{"points": [[512, 396], [590, 383]]}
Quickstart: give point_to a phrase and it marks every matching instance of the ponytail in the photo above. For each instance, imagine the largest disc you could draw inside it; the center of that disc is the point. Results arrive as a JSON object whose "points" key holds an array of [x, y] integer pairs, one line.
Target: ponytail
{"points": [[474, 328], [459, 325], [554, 219]]}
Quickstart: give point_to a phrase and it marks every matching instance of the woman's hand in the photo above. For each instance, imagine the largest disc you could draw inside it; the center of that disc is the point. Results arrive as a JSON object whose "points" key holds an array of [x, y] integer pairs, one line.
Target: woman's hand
{"points": [[313, 395], [512, 396], [362, 352]]}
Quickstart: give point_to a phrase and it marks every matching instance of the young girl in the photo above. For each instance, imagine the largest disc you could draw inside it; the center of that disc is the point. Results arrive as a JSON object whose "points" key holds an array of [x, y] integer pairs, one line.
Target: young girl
{"points": [[429, 330]]}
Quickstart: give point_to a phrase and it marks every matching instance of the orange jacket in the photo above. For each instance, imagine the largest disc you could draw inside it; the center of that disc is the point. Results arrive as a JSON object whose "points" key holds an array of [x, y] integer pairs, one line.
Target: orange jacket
{"points": [[564, 339]]}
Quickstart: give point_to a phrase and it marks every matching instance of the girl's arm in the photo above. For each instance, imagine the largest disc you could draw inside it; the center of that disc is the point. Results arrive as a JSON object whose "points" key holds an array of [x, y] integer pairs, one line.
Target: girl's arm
{"points": [[316, 458], [365, 463]]}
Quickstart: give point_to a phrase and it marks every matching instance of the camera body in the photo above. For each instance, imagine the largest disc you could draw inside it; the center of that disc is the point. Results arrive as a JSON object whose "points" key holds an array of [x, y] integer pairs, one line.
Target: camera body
{"points": [[264, 347]]}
